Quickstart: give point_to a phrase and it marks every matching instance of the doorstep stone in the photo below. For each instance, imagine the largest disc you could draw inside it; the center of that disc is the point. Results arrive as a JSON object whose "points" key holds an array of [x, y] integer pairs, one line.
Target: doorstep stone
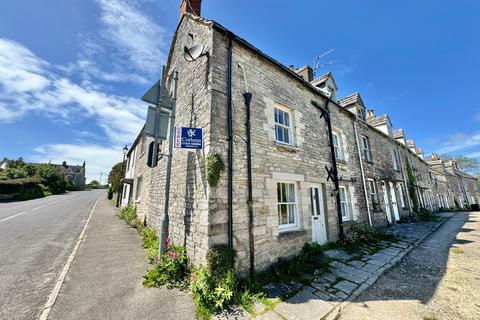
{"points": [[304, 306], [270, 315]]}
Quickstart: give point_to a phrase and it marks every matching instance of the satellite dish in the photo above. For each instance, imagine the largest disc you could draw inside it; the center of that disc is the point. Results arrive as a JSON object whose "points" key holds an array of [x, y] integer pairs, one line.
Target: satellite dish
{"points": [[193, 53]]}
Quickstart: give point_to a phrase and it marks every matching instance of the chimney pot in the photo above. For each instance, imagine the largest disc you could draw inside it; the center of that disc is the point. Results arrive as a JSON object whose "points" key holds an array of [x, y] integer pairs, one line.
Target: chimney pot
{"points": [[191, 6]]}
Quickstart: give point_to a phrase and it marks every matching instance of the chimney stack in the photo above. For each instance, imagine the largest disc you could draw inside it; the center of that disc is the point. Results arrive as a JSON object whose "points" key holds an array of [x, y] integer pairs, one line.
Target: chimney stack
{"points": [[306, 72], [191, 6], [370, 114]]}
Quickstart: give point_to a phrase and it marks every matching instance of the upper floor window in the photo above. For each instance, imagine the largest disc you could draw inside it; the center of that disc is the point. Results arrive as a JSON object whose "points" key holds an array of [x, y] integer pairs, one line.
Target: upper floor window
{"points": [[138, 192], [344, 203], [283, 126], [394, 155], [361, 113], [372, 190], [287, 205], [367, 154], [337, 146]]}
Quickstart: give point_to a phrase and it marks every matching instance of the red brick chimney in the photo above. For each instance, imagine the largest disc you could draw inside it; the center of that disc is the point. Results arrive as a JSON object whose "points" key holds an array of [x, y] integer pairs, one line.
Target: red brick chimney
{"points": [[191, 6]]}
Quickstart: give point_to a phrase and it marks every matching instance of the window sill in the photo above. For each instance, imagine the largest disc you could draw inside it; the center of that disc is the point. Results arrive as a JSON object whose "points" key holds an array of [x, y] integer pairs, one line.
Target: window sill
{"points": [[341, 161], [286, 148], [370, 162], [291, 234]]}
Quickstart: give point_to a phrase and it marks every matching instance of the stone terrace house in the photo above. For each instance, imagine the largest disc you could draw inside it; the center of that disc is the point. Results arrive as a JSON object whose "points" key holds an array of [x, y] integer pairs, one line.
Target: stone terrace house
{"points": [[294, 200]]}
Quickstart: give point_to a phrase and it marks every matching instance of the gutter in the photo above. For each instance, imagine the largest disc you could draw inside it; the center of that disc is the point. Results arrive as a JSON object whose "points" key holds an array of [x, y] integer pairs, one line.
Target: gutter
{"points": [[248, 98], [334, 171], [362, 172], [230, 148]]}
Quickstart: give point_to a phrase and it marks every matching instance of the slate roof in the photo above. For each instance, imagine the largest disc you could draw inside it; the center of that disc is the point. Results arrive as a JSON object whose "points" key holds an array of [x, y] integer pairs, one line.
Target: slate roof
{"points": [[379, 120], [322, 79], [351, 99]]}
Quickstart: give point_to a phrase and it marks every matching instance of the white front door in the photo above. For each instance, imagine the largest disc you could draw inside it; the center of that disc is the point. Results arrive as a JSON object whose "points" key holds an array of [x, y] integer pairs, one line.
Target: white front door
{"points": [[319, 231], [394, 201], [386, 202]]}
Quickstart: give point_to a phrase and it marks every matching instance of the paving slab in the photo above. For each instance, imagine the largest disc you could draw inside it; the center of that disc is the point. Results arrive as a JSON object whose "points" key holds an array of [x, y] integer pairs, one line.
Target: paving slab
{"points": [[304, 306], [346, 286], [337, 254], [270, 315]]}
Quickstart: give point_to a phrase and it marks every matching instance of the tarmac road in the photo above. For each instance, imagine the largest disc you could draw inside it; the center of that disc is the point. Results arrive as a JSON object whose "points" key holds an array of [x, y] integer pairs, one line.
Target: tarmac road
{"points": [[36, 239]]}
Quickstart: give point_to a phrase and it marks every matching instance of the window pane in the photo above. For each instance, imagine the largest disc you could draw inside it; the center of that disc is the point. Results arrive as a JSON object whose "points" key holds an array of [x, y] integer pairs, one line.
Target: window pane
{"points": [[286, 135], [291, 213], [342, 194], [284, 192], [287, 119], [282, 214], [281, 117], [291, 192], [279, 192], [279, 133], [276, 115]]}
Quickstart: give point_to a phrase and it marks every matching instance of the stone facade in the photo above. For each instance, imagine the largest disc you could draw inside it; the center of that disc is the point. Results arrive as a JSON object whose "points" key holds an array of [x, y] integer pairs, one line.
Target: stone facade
{"points": [[290, 151]]}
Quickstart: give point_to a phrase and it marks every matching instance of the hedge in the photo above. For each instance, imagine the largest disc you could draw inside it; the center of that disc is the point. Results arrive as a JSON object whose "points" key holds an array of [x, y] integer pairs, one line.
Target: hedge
{"points": [[19, 186]]}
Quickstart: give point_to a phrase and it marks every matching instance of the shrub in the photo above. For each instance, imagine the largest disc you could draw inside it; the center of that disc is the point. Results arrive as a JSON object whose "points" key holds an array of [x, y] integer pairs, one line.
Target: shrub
{"points": [[363, 233], [129, 215], [426, 215], [110, 193], [53, 178], [213, 286], [15, 173], [172, 270]]}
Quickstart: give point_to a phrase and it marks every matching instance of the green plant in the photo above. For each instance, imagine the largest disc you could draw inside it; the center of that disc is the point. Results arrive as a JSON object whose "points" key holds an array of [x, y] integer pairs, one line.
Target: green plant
{"points": [[110, 193], [53, 178], [172, 270], [427, 215], [129, 215], [214, 285], [360, 233], [150, 243], [214, 166], [412, 182]]}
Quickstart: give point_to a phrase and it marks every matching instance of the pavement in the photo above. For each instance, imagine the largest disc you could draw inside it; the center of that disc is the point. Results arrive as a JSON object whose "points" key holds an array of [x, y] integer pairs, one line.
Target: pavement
{"points": [[105, 278], [36, 239], [349, 276], [439, 279]]}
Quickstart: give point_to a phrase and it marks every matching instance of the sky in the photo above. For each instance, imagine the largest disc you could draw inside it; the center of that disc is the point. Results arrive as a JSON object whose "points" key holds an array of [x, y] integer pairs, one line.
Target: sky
{"points": [[72, 72]]}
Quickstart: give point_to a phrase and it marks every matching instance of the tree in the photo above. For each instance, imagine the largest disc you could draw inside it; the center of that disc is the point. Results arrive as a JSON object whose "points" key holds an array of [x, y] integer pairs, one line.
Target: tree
{"points": [[54, 179], [466, 164], [115, 176]]}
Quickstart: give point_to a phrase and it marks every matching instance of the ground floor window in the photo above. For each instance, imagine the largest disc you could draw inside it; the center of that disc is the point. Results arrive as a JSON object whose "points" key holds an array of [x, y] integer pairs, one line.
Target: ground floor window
{"points": [[287, 205], [402, 195], [125, 191], [344, 203]]}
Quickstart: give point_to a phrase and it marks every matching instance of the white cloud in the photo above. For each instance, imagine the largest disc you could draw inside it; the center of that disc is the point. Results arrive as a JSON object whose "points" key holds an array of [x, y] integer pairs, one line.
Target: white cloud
{"points": [[121, 117], [99, 159], [136, 36], [459, 142]]}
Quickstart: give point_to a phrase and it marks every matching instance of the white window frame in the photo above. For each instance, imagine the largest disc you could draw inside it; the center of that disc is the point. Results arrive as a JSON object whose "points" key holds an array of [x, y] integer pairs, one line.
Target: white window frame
{"points": [[372, 192], [402, 194], [295, 224], [345, 203], [367, 153], [338, 147], [288, 127], [361, 113]]}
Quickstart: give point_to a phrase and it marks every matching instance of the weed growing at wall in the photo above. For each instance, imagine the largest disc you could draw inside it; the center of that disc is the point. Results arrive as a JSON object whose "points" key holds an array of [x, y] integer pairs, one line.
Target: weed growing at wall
{"points": [[129, 215], [214, 166], [360, 233], [173, 269], [427, 215]]}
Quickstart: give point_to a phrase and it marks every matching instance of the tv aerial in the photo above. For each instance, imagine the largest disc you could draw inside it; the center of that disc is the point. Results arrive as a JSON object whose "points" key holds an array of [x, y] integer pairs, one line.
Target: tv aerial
{"points": [[318, 64]]}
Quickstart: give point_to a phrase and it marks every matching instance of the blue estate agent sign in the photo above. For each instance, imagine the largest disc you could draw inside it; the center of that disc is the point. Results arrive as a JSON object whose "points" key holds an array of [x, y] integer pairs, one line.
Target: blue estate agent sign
{"points": [[189, 138]]}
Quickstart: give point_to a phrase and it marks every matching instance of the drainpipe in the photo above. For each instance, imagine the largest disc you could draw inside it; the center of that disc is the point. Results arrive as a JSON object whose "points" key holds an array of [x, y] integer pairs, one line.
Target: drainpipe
{"points": [[248, 98], [362, 171], [334, 172], [405, 184], [230, 147]]}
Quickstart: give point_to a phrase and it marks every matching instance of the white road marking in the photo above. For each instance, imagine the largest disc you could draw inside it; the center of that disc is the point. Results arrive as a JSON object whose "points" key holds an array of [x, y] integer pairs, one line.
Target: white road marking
{"points": [[34, 209], [15, 215], [56, 290]]}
